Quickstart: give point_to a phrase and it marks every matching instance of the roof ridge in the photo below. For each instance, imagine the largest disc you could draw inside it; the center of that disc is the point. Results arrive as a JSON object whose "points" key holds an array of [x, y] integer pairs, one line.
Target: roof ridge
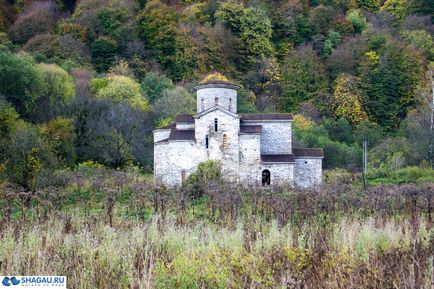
{"points": [[215, 108], [266, 116]]}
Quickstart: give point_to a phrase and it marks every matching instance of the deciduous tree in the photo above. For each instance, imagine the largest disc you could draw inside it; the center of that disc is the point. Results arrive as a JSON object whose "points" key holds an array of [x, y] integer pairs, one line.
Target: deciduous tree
{"points": [[346, 100], [20, 81]]}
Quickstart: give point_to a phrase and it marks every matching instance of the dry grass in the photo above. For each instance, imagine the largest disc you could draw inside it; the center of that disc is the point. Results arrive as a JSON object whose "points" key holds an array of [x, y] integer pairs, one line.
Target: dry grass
{"points": [[109, 229]]}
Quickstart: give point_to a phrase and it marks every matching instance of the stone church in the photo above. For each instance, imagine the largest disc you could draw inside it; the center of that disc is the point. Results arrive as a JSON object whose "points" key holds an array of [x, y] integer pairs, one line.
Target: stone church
{"points": [[253, 149]]}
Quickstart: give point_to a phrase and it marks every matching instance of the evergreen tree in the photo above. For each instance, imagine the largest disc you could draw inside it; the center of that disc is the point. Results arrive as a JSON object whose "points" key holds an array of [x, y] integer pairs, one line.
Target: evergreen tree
{"points": [[302, 78]]}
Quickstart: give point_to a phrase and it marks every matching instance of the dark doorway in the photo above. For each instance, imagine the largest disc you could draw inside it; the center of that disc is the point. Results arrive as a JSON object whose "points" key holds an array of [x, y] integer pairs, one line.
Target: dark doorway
{"points": [[266, 177]]}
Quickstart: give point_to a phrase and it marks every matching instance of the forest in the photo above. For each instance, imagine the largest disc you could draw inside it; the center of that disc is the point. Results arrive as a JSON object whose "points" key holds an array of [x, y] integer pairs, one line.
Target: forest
{"points": [[83, 83], [89, 80]]}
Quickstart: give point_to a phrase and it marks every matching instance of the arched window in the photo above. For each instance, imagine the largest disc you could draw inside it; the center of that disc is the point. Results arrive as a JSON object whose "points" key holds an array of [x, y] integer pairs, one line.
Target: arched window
{"points": [[216, 124], [202, 105], [183, 175], [216, 101], [266, 177], [206, 141], [230, 104], [225, 141]]}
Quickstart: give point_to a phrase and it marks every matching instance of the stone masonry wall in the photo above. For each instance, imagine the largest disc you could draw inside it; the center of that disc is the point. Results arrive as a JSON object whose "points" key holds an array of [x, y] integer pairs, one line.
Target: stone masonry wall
{"points": [[276, 136], [280, 173], [225, 96], [185, 125], [173, 157], [250, 159], [308, 172]]}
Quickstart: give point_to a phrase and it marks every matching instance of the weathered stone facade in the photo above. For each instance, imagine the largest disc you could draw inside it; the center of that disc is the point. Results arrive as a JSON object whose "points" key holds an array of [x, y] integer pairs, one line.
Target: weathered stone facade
{"points": [[252, 148]]}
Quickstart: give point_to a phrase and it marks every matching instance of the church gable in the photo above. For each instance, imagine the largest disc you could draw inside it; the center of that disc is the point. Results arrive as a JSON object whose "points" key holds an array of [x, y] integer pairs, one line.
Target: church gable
{"points": [[214, 109]]}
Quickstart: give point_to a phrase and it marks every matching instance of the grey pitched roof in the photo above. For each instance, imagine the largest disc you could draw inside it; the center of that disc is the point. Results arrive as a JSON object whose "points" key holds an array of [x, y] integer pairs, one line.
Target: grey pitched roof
{"points": [[266, 116], [282, 158], [308, 152], [216, 82], [181, 134], [250, 128], [162, 141], [184, 118]]}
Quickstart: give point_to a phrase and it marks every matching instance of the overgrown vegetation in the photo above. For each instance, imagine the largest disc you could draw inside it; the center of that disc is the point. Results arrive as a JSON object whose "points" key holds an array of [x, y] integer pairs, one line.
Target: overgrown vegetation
{"points": [[107, 228]]}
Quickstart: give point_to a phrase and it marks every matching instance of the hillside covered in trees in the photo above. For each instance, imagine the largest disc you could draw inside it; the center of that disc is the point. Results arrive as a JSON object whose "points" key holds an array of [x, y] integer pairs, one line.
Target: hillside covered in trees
{"points": [[89, 80]]}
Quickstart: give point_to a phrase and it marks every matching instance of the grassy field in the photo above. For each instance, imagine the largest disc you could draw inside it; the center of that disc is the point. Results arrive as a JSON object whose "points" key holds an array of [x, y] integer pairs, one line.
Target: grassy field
{"points": [[110, 229]]}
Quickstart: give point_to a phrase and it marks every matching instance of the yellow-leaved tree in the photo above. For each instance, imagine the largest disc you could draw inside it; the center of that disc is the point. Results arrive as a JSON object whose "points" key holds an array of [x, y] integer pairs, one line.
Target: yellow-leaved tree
{"points": [[214, 76], [345, 101]]}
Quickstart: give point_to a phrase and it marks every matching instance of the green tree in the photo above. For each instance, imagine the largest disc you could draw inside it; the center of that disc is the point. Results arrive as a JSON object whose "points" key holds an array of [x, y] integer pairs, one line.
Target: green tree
{"points": [[58, 90], [122, 88], [389, 83], [252, 26], [187, 61], [8, 123], [369, 131], [173, 48], [246, 101], [157, 26], [422, 40], [370, 5], [332, 40], [321, 19], [111, 20], [28, 156], [357, 20], [290, 23], [153, 85], [339, 130], [174, 101], [302, 78], [20, 81], [336, 154], [398, 8], [104, 50], [60, 135]]}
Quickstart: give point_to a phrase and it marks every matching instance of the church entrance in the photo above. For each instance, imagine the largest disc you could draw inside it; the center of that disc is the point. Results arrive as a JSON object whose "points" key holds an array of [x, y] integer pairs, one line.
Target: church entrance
{"points": [[266, 177]]}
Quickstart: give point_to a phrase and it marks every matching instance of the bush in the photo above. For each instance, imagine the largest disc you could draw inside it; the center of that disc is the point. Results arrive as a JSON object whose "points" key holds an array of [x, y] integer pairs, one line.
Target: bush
{"points": [[336, 154], [338, 177], [411, 174], [358, 21], [206, 172], [28, 157]]}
